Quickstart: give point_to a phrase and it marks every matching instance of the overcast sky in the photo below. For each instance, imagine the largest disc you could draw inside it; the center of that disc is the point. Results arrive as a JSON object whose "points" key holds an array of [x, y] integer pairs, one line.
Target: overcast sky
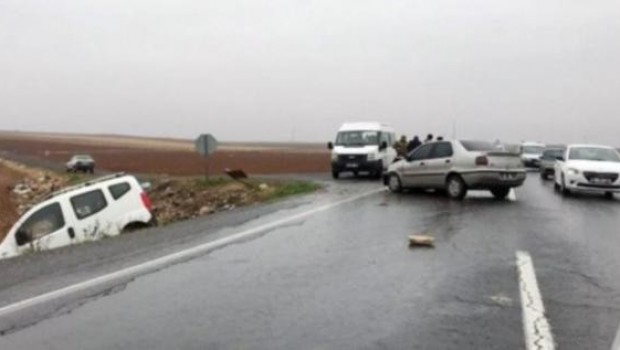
{"points": [[296, 69]]}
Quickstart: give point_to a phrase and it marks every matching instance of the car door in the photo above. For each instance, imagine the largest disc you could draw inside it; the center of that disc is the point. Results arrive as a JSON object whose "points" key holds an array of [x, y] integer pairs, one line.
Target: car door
{"points": [[439, 164], [45, 228], [414, 173], [92, 215]]}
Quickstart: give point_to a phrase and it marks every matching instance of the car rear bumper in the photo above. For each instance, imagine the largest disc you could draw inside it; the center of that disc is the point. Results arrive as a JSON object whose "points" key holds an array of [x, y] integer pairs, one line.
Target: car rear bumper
{"points": [[490, 179], [358, 166]]}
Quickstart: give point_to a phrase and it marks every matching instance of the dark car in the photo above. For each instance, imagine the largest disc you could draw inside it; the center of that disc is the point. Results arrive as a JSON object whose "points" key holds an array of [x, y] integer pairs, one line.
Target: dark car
{"points": [[548, 159], [81, 163]]}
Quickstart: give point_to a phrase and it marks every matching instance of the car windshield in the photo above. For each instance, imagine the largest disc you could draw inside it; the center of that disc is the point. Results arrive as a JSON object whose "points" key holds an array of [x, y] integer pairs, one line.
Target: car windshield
{"points": [[533, 149], [553, 153], [357, 138], [594, 153], [83, 157]]}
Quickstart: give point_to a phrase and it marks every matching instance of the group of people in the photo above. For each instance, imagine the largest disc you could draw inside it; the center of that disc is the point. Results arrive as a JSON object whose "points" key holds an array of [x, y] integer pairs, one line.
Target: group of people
{"points": [[404, 147]]}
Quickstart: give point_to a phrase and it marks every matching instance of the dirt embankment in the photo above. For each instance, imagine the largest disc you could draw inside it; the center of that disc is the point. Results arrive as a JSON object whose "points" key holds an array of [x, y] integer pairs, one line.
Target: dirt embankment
{"points": [[185, 198], [174, 198], [21, 188], [8, 209]]}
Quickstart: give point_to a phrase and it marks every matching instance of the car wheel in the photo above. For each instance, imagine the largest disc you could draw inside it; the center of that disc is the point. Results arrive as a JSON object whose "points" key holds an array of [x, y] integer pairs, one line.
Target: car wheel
{"points": [[565, 191], [356, 174], [500, 192], [335, 175], [543, 175], [456, 188], [609, 195], [394, 184]]}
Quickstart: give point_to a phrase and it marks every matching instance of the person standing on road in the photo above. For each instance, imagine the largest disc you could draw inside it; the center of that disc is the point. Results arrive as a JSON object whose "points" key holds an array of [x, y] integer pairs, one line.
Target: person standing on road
{"points": [[429, 138], [401, 146], [413, 144]]}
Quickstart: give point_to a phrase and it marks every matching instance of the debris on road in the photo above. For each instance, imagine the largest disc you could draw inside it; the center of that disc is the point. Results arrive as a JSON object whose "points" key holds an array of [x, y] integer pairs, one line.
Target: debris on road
{"points": [[421, 241], [501, 300]]}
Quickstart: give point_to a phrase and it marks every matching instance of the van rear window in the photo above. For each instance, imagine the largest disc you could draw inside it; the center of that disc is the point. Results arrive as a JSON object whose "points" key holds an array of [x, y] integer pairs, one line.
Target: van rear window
{"points": [[119, 190], [88, 204]]}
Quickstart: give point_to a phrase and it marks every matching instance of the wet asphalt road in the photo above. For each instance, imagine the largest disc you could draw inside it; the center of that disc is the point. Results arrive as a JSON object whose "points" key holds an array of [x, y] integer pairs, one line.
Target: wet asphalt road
{"points": [[344, 278]]}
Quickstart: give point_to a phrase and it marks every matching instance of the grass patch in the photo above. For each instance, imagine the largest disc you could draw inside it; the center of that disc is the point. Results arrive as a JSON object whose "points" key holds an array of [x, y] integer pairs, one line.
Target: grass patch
{"points": [[74, 179], [210, 182], [293, 188]]}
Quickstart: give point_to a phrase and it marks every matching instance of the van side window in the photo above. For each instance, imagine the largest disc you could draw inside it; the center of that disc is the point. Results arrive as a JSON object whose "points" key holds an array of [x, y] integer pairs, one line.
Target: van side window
{"points": [[46, 220], [119, 190], [89, 203]]}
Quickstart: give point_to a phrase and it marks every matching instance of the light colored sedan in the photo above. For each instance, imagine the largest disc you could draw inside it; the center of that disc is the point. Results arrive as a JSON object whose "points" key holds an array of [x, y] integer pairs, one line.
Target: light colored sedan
{"points": [[457, 166], [588, 168]]}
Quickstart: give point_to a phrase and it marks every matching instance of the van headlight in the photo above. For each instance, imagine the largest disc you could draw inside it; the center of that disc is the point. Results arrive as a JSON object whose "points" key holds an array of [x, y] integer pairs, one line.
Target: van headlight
{"points": [[573, 171]]}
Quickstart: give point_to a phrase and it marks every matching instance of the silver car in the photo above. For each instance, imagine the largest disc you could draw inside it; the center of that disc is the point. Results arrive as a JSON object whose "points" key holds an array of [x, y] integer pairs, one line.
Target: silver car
{"points": [[457, 166]]}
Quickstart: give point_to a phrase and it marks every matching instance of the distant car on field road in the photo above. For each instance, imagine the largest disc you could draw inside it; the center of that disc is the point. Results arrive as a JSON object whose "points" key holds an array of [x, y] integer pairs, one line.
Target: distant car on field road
{"points": [[531, 153], [588, 168], [548, 159], [363, 147], [457, 166], [81, 163], [86, 212]]}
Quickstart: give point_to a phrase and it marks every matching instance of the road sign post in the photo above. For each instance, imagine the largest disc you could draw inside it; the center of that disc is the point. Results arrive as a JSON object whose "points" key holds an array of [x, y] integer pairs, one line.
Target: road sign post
{"points": [[206, 145]]}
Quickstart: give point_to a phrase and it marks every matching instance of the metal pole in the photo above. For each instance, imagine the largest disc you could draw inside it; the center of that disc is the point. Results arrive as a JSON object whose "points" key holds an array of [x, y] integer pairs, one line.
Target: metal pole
{"points": [[206, 168]]}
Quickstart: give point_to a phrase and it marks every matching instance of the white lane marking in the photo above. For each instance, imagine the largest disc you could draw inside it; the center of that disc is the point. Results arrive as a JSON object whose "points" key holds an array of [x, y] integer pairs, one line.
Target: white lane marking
{"points": [[616, 345], [171, 258], [535, 324], [512, 196]]}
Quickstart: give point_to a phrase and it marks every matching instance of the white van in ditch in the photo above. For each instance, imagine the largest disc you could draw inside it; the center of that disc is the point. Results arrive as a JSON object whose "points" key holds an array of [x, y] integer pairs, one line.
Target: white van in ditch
{"points": [[86, 212], [363, 147]]}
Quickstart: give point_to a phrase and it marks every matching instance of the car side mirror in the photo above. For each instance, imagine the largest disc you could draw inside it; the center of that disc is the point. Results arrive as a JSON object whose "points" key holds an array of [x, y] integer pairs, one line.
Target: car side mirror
{"points": [[330, 145], [21, 237], [383, 146]]}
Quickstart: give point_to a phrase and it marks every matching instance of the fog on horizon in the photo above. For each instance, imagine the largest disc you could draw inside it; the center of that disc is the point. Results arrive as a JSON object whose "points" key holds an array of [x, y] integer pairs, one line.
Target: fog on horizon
{"points": [[250, 70]]}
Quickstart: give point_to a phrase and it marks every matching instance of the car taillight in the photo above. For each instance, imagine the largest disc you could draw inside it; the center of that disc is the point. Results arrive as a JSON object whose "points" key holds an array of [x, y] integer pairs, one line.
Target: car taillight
{"points": [[146, 201], [482, 161]]}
